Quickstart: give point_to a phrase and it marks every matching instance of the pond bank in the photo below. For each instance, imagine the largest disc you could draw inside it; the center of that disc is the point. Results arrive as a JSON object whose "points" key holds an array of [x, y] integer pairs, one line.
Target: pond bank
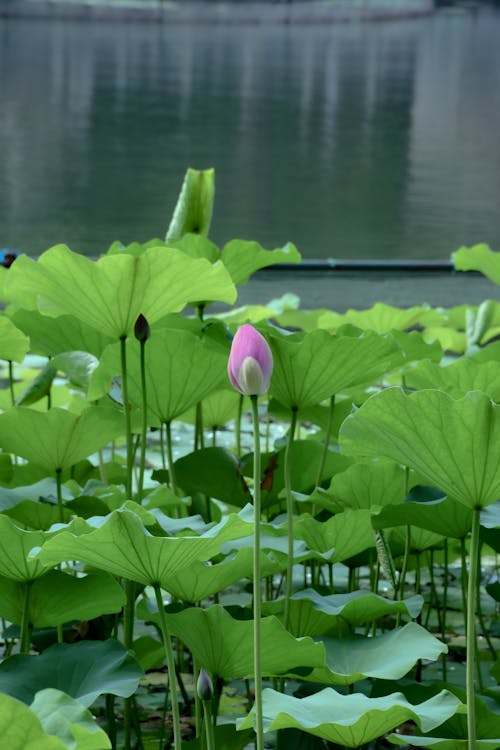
{"points": [[171, 11]]}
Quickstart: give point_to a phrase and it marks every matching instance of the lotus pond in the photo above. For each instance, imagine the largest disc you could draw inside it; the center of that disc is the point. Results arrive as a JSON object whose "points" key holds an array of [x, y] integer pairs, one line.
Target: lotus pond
{"points": [[155, 521]]}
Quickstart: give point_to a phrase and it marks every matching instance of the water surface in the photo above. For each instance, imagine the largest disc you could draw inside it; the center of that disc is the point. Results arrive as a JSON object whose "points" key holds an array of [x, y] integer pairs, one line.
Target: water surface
{"points": [[361, 140]]}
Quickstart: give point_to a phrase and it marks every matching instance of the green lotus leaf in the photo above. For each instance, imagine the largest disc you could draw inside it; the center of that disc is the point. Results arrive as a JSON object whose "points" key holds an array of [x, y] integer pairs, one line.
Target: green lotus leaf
{"points": [[83, 670], [453, 444], [51, 336], [219, 643], [305, 457], [67, 719], [346, 534], [365, 485], [219, 408], [39, 387], [202, 580], [173, 385], [382, 318], [246, 314], [109, 294], [14, 344], [215, 472], [33, 515], [21, 729], [442, 516], [388, 656], [360, 719], [310, 368], [242, 258], [313, 614], [478, 258], [449, 339], [58, 597], [77, 366], [305, 320], [441, 743], [123, 546], [57, 439], [193, 211], [15, 545], [197, 246], [415, 347], [457, 378]]}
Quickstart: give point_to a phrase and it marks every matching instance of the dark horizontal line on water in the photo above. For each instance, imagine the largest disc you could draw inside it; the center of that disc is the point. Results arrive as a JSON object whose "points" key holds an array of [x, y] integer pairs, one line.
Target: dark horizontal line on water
{"points": [[385, 266]]}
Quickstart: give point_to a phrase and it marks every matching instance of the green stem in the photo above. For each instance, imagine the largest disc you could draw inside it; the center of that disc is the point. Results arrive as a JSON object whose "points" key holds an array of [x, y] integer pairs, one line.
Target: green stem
{"points": [[162, 448], [126, 412], [400, 593], [172, 680], [60, 503], [259, 726], [144, 434], [209, 725], [197, 700], [24, 643], [237, 425], [289, 515], [11, 383], [170, 456], [480, 616], [471, 629], [326, 444], [445, 607]]}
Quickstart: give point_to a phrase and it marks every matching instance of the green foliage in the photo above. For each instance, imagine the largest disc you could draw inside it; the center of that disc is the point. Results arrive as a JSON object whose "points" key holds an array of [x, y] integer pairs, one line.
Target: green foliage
{"points": [[375, 473]]}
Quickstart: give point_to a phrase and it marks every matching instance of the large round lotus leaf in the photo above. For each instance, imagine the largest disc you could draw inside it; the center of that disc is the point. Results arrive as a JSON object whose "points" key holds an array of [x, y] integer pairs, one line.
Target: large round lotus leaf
{"points": [[83, 670], [217, 639], [14, 344], [441, 743], [67, 719], [369, 484], [382, 318], [243, 257], [478, 258], [312, 367], [350, 720], [458, 378], [124, 547], [20, 728], [453, 444], [111, 293], [59, 597], [57, 439], [344, 535], [181, 370], [313, 614], [51, 336], [15, 546], [441, 515]]}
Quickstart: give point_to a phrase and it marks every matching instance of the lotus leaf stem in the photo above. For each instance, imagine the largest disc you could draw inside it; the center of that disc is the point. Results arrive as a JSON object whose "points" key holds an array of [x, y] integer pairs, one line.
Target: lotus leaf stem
{"points": [[259, 724], [471, 629], [289, 515], [126, 412], [144, 433], [172, 679]]}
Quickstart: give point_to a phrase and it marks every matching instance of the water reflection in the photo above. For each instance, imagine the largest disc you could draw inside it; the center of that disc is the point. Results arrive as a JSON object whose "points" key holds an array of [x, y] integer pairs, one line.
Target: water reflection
{"points": [[356, 140]]}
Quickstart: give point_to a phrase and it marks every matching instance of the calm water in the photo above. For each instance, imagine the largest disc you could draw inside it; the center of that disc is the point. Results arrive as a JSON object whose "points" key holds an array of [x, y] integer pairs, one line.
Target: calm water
{"points": [[375, 140]]}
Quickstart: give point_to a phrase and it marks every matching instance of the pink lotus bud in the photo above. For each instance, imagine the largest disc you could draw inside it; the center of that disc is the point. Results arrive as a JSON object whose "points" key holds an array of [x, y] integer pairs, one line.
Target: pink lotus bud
{"points": [[250, 364]]}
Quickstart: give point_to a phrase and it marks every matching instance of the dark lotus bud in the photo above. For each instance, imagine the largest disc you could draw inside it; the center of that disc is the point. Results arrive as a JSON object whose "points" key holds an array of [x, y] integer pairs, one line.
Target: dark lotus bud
{"points": [[204, 686], [141, 329]]}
